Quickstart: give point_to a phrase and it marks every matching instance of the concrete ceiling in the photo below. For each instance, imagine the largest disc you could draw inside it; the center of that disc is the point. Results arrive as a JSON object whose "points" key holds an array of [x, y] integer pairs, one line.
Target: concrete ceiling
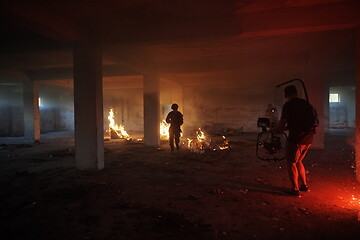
{"points": [[189, 42]]}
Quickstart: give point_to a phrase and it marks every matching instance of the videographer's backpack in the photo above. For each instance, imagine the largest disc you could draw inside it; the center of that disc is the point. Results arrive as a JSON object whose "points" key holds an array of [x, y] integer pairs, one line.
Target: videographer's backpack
{"points": [[312, 119]]}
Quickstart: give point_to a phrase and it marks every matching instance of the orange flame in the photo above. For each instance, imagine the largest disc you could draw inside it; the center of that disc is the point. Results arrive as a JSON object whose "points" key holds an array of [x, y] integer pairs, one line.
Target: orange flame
{"points": [[203, 142], [225, 144], [119, 130], [164, 130], [200, 136], [200, 143]]}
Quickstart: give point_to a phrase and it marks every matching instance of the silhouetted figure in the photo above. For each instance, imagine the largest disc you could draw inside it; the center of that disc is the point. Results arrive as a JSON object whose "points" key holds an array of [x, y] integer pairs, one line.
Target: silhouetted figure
{"points": [[175, 118], [299, 118]]}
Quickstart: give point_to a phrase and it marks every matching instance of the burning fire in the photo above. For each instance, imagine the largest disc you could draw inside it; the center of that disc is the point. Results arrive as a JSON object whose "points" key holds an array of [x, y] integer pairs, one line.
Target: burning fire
{"points": [[202, 142], [114, 128], [225, 144], [164, 130], [200, 135], [119, 130], [189, 141]]}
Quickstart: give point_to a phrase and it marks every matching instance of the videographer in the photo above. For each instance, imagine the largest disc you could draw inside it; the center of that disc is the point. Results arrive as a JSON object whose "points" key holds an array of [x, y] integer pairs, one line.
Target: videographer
{"points": [[298, 117]]}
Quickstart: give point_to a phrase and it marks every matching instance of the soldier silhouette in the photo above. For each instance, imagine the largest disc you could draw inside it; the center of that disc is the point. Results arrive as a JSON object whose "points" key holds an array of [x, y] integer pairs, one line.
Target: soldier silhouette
{"points": [[175, 118]]}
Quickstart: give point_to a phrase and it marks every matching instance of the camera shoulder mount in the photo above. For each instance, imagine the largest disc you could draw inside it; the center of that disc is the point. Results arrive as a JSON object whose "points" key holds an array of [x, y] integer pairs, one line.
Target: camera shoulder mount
{"points": [[269, 145]]}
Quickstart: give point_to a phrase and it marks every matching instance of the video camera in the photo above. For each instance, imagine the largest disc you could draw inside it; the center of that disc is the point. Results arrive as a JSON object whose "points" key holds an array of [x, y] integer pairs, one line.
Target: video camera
{"points": [[269, 144], [264, 123]]}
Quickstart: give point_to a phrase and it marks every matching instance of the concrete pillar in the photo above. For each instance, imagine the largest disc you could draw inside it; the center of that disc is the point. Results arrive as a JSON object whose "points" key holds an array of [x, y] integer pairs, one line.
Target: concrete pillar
{"points": [[31, 111], [326, 107], [151, 109], [357, 132], [88, 108], [314, 82]]}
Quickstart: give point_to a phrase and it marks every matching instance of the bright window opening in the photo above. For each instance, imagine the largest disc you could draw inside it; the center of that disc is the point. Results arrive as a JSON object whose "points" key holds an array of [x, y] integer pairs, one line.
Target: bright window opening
{"points": [[334, 98], [40, 103]]}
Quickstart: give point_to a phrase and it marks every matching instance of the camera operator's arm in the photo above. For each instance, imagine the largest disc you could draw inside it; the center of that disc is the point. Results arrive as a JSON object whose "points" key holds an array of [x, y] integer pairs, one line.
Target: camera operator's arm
{"points": [[281, 127]]}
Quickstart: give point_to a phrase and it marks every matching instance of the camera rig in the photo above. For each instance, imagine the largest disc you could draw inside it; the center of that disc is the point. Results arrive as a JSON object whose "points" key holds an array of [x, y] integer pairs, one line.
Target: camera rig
{"points": [[269, 145]]}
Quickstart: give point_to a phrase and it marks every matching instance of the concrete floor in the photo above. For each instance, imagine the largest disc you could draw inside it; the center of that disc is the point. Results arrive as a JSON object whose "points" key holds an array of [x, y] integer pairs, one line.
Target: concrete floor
{"points": [[150, 193]]}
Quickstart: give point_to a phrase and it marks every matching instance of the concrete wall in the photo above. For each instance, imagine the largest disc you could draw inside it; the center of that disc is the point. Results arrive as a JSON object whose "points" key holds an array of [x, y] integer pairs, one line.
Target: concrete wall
{"points": [[170, 92], [223, 107], [342, 114], [56, 114], [128, 108], [11, 110], [57, 110]]}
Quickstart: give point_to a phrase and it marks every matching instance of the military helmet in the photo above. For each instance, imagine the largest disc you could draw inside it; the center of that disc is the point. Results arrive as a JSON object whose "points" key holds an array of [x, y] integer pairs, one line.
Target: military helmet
{"points": [[174, 106]]}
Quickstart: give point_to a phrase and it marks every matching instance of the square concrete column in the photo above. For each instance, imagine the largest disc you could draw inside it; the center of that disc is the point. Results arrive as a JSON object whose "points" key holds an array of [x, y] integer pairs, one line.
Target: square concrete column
{"points": [[88, 108], [326, 107], [151, 109], [357, 131], [31, 111]]}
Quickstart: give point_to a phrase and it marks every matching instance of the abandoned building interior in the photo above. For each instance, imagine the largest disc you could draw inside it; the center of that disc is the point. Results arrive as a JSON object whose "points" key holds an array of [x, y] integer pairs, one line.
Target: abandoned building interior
{"points": [[95, 80]]}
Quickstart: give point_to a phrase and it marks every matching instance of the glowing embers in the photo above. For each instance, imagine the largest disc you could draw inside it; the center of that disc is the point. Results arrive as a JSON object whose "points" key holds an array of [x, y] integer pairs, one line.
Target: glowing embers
{"points": [[164, 130], [354, 201], [200, 136], [115, 130], [350, 200], [225, 145], [202, 143]]}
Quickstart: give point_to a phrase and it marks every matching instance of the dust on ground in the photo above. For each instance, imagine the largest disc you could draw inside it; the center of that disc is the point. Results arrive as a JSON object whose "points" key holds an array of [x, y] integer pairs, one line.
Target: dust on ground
{"points": [[151, 193]]}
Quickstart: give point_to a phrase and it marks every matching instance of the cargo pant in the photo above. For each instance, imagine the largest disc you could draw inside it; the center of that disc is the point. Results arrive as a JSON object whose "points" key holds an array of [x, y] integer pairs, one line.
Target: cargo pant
{"points": [[174, 136]]}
